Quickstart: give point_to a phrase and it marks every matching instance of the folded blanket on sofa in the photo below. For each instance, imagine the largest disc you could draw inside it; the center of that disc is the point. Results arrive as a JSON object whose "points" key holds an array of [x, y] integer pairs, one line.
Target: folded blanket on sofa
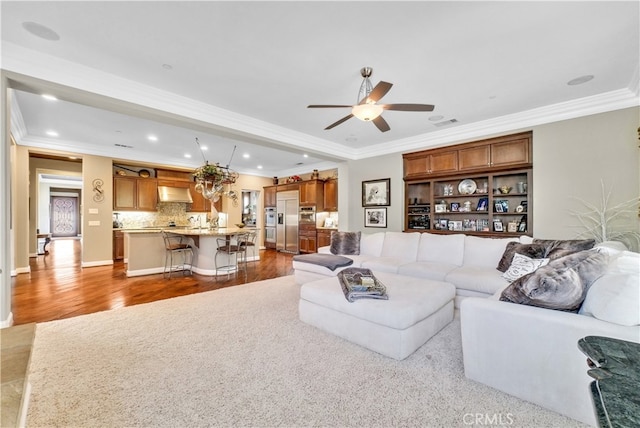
{"points": [[330, 261], [354, 287]]}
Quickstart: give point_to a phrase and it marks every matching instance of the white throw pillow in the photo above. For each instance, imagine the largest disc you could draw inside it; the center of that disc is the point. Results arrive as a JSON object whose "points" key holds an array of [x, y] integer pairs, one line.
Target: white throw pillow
{"points": [[522, 265], [614, 298]]}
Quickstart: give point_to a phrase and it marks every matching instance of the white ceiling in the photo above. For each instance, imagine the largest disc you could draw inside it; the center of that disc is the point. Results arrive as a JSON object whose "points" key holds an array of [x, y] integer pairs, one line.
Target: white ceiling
{"points": [[242, 73]]}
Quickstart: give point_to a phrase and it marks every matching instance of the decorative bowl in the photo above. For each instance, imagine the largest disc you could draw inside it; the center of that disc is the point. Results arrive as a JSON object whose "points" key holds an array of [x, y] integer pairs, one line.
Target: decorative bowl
{"points": [[505, 189], [240, 225]]}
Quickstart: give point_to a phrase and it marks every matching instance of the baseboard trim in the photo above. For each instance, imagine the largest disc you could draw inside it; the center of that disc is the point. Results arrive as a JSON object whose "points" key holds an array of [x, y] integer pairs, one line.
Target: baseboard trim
{"points": [[18, 271], [97, 263], [8, 322]]}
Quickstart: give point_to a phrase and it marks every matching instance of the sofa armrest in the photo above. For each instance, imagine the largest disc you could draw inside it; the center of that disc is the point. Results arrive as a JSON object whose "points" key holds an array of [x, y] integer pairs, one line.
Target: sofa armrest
{"points": [[324, 250], [532, 353]]}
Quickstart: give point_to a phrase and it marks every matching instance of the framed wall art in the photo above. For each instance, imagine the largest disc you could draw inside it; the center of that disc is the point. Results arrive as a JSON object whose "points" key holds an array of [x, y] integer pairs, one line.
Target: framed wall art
{"points": [[376, 193], [375, 217]]}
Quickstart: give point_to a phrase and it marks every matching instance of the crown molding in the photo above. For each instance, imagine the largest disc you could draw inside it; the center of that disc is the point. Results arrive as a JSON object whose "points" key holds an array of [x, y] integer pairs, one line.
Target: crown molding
{"points": [[601, 103]]}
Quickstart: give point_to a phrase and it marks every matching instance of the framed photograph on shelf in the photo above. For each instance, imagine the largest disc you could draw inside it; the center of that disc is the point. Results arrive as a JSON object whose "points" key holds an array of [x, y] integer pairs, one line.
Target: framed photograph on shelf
{"points": [[375, 217], [497, 226], [512, 226], [483, 203], [442, 224], [455, 207], [522, 227], [376, 193], [441, 208], [457, 225]]}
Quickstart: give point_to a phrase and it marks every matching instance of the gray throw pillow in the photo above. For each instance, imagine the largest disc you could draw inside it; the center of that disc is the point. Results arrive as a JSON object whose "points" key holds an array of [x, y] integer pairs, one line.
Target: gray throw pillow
{"points": [[533, 251], [345, 243], [559, 248], [560, 285]]}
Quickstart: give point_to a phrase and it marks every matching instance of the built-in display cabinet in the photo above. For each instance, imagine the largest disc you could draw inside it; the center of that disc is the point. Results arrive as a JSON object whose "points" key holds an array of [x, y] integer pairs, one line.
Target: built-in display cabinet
{"points": [[493, 200]]}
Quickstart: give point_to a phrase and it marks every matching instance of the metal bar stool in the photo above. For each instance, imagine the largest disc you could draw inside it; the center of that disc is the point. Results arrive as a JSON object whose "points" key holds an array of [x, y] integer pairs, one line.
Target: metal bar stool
{"points": [[176, 245], [251, 244], [234, 249]]}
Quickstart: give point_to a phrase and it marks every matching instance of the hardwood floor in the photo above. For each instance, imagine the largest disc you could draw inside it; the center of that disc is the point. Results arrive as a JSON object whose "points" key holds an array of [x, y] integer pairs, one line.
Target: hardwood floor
{"points": [[58, 287]]}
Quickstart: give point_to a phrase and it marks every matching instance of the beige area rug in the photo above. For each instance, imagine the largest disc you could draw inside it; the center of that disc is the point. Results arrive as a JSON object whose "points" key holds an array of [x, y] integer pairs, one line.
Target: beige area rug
{"points": [[239, 356]]}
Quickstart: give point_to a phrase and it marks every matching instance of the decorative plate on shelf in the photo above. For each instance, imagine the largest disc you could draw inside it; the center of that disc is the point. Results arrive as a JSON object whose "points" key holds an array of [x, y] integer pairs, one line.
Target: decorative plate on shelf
{"points": [[467, 187]]}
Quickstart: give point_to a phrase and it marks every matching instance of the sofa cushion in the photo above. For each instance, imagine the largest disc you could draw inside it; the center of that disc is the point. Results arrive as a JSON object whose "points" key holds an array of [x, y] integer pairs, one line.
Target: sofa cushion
{"points": [[371, 244], [445, 249], [427, 270], [345, 242], [534, 251], [521, 266], [561, 285], [403, 246], [486, 280], [485, 252], [384, 264], [559, 248], [614, 298]]}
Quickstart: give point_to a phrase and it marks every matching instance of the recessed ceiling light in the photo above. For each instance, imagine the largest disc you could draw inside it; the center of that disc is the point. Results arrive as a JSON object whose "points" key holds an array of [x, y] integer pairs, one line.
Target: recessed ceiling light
{"points": [[187, 155], [246, 156], [259, 166], [49, 97], [204, 148], [580, 80], [436, 118], [52, 133], [305, 155], [152, 138], [41, 31]]}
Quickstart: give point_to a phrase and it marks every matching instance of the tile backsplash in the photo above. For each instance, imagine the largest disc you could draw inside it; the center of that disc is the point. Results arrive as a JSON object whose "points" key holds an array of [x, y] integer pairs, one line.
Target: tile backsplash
{"points": [[165, 213]]}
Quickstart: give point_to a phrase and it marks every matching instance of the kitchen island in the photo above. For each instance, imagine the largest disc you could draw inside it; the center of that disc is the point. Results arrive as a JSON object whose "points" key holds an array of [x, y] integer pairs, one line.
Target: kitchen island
{"points": [[146, 253]]}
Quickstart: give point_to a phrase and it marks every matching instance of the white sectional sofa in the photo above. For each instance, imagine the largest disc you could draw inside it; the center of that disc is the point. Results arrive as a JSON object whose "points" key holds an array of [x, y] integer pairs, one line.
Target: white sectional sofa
{"points": [[467, 262], [526, 351]]}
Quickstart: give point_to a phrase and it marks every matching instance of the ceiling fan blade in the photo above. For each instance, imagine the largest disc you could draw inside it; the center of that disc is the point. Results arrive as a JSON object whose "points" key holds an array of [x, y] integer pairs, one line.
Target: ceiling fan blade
{"points": [[334, 124], [379, 91], [328, 106], [408, 107], [382, 124]]}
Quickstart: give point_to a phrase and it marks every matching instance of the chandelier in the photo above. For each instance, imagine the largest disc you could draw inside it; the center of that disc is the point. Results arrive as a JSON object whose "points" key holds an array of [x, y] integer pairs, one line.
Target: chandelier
{"points": [[211, 180]]}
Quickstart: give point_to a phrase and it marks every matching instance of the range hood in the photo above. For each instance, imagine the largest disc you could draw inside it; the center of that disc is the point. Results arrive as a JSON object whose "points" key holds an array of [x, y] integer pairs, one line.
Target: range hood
{"points": [[174, 194]]}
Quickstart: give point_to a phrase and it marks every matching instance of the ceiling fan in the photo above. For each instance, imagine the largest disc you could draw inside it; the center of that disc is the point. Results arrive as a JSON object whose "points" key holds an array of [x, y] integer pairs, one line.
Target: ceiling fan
{"points": [[367, 108]]}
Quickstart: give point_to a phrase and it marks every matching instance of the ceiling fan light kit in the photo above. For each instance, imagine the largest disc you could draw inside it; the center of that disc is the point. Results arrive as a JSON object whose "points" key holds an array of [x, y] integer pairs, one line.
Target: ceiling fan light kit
{"points": [[367, 112], [367, 108]]}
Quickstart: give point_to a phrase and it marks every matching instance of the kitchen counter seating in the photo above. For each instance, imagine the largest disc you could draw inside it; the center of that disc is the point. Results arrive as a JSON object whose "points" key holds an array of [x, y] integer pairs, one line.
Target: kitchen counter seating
{"points": [[527, 351], [145, 251]]}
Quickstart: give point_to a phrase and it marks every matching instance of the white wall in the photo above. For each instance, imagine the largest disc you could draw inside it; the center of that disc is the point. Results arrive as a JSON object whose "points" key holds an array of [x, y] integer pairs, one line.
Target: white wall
{"points": [[569, 159]]}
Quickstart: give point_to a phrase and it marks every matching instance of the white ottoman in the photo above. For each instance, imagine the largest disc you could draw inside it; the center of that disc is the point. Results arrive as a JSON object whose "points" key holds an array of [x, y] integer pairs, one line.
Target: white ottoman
{"points": [[416, 310]]}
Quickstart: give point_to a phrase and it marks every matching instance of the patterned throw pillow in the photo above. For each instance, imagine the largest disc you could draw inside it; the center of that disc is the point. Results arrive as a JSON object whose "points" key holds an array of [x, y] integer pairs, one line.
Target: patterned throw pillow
{"points": [[535, 251], [345, 243], [521, 266], [561, 285], [555, 249]]}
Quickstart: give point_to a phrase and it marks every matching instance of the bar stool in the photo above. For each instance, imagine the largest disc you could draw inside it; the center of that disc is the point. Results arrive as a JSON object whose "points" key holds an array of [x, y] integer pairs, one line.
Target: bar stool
{"points": [[234, 248], [177, 245], [251, 243]]}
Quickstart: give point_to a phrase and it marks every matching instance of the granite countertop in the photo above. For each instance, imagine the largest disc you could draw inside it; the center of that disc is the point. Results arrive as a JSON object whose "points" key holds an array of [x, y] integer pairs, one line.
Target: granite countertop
{"points": [[327, 228], [221, 231]]}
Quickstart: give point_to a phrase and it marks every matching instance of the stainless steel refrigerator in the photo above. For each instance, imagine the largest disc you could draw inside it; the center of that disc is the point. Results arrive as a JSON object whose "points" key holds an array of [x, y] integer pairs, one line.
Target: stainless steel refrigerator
{"points": [[287, 221]]}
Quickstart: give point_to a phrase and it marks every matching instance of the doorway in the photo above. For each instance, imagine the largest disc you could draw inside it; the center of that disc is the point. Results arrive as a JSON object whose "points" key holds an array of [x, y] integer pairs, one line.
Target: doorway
{"points": [[64, 216]]}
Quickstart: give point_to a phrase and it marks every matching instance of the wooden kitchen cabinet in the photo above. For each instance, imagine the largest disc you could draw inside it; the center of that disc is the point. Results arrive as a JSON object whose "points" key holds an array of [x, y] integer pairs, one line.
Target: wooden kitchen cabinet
{"points": [[118, 245], [307, 238], [270, 198], [323, 237], [135, 194], [312, 194], [331, 195]]}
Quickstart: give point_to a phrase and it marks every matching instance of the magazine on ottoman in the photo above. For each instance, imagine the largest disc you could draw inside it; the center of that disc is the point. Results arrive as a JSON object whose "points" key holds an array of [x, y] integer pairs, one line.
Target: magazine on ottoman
{"points": [[359, 283]]}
